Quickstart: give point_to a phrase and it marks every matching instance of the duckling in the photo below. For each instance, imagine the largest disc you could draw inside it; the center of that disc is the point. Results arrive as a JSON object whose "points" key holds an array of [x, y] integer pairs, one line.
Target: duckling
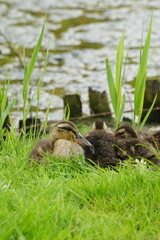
{"points": [[153, 137], [130, 143], [156, 137], [64, 141], [102, 140]]}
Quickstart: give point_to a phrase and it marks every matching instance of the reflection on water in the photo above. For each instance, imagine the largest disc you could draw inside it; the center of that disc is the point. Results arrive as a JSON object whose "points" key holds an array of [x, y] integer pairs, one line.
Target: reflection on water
{"points": [[81, 34]]}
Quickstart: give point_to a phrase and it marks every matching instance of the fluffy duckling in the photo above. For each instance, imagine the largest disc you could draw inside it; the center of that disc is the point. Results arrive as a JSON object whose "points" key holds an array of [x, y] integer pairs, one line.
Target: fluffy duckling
{"points": [[156, 137], [153, 137], [102, 140], [125, 132], [64, 141], [129, 143]]}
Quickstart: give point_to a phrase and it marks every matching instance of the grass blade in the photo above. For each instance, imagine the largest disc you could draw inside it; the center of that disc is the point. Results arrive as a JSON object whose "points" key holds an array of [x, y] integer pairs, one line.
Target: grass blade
{"points": [[140, 82], [111, 85], [66, 112], [7, 110], [29, 71], [121, 109], [148, 113], [119, 62]]}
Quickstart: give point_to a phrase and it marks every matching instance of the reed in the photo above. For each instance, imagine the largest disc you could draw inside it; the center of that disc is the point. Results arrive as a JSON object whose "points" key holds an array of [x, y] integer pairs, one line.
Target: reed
{"points": [[140, 82], [28, 73], [115, 84]]}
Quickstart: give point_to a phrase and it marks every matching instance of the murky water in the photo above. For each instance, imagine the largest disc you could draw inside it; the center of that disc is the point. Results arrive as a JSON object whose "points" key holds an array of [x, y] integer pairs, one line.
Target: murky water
{"points": [[81, 35]]}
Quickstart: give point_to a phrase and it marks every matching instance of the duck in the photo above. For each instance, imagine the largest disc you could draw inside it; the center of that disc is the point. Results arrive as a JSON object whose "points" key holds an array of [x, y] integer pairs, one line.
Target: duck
{"points": [[102, 152], [64, 140], [131, 143], [156, 137], [153, 137]]}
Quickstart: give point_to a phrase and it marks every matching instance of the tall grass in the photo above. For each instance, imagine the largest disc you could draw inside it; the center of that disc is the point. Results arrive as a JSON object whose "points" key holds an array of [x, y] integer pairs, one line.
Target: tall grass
{"points": [[116, 83], [5, 106]]}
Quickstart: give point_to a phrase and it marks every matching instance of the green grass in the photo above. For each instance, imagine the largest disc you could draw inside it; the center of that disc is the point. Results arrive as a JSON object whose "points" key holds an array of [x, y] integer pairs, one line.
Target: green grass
{"points": [[71, 200]]}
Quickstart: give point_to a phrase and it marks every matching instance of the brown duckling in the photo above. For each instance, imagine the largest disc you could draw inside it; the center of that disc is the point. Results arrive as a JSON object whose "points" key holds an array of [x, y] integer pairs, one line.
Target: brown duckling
{"points": [[156, 137], [153, 137], [102, 140], [130, 143], [64, 141]]}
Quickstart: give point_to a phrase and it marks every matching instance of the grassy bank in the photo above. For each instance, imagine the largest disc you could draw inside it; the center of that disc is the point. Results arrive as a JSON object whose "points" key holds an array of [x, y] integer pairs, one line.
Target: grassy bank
{"points": [[71, 200]]}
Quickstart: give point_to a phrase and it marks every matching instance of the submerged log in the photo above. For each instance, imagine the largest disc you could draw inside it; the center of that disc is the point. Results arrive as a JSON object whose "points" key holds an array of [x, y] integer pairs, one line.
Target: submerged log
{"points": [[98, 102], [74, 103], [152, 88]]}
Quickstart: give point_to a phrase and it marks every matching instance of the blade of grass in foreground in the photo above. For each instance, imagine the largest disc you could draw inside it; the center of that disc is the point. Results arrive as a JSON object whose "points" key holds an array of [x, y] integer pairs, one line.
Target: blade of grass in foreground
{"points": [[28, 73]]}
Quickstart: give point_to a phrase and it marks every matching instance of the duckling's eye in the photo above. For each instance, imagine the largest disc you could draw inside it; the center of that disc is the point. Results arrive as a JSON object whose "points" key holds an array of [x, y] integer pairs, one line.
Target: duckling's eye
{"points": [[66, 128], [120, 133]]}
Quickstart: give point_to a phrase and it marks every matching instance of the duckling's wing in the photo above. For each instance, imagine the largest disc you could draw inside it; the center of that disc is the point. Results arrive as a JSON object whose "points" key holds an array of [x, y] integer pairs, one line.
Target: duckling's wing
{"points": [[43, 146]]}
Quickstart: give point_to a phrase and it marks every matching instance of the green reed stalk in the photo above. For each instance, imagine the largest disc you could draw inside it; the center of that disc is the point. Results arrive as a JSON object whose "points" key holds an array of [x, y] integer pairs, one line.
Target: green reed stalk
{"points": [[115, 84], [28, 74], [140, 83]]}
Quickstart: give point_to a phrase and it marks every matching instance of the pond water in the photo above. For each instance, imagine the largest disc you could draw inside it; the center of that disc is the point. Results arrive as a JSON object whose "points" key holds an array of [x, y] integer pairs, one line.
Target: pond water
{"points": [[81, 35]]}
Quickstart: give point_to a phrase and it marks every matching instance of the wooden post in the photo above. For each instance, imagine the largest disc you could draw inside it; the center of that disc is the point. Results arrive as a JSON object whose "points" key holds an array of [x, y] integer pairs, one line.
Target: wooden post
{"points": [[32, 125], [74, 103], [98, 102], [152, 88]]}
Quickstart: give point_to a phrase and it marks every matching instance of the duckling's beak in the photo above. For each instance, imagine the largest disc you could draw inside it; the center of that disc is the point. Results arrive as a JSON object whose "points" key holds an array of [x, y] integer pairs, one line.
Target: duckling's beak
{"points": [[80, 139]]}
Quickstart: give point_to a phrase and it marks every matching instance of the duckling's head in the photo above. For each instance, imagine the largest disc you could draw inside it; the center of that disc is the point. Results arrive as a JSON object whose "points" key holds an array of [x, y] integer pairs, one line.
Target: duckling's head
{"points": [[125, 132], [99, 125], [68, 131]]}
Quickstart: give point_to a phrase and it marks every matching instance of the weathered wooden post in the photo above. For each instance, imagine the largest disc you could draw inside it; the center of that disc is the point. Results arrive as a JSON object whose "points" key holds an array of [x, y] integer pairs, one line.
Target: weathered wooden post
{"points": [[152, 88], [74, 103], [98, 102]]}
